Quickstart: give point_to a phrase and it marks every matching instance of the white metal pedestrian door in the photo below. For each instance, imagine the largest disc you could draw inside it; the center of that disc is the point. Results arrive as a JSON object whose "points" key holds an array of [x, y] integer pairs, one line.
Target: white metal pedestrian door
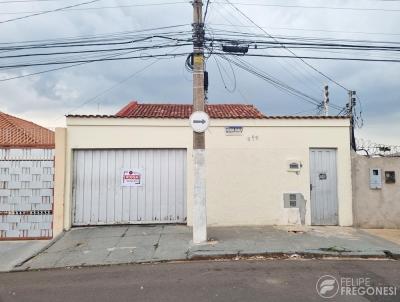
{"points": [[129, 186], [324, 201]]}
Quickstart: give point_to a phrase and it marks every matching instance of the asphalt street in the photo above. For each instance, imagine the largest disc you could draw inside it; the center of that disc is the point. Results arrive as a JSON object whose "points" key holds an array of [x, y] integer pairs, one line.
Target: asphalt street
{"points": [[241, 280]]}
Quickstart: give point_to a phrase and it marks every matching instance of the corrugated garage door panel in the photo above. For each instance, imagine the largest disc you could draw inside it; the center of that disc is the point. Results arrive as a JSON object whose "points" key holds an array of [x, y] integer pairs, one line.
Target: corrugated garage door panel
{"points": [[99, 197]]}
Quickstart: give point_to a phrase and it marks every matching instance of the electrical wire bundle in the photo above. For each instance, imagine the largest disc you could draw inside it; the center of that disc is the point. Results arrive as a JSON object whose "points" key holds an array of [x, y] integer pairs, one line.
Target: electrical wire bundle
{"points": [[69, 52]]}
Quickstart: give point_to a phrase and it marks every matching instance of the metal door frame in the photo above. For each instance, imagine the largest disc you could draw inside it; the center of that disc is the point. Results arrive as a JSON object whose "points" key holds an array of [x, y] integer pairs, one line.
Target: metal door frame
{"points": [[336, 181]]}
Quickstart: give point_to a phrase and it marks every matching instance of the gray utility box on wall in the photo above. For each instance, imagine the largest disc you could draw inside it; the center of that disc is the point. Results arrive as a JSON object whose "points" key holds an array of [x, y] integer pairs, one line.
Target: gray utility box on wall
{"points": [[296, 200], [375, 178], [292, 200]]}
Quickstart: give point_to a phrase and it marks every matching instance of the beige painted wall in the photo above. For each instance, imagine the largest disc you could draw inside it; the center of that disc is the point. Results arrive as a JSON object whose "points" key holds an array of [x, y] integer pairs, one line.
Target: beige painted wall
{"points": [[59, 181], [375, 208], [247, 175]]}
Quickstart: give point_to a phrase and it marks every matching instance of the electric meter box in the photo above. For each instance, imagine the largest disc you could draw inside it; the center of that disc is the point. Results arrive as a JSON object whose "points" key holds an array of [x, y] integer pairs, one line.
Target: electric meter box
{"points": [[375, 178], [294, 165]]}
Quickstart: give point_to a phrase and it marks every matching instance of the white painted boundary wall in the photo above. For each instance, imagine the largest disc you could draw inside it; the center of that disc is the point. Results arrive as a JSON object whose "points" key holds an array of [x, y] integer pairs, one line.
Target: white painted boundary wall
{"points": [[246, 175]]}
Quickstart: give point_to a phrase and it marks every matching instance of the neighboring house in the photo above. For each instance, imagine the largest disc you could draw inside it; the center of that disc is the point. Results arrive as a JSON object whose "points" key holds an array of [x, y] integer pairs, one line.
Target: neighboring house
{"points": [[376, 191], [136, 167], [26, 179]]}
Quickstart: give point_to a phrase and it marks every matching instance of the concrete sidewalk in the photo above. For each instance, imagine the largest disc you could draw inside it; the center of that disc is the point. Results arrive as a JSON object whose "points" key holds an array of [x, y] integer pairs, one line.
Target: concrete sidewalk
{"points": [[13, 253], [303, 241], [392, 235], [139, 244]]}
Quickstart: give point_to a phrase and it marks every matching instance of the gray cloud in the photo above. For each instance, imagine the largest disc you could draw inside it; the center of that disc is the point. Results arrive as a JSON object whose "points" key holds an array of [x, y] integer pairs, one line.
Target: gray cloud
{"points": [[46, 98]]}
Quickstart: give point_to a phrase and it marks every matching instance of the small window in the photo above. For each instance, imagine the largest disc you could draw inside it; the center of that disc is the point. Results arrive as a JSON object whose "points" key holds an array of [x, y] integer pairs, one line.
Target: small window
{"points": [[375, 172], [292, 203], [390, 177]]}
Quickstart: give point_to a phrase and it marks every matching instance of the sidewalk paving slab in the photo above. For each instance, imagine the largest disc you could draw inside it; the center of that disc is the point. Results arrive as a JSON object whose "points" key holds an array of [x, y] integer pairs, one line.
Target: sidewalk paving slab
{"points": [[172, 246], [392, 235], [13, 253], [141, 244]]}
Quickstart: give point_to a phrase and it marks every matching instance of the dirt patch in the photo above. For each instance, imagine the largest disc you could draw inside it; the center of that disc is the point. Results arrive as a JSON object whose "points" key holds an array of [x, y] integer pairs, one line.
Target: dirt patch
{"points": [[335, 249]]}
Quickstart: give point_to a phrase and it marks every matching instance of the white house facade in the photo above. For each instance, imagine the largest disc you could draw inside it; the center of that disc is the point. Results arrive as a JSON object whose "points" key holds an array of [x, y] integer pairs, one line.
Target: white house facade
{"points": [[136, 167]]}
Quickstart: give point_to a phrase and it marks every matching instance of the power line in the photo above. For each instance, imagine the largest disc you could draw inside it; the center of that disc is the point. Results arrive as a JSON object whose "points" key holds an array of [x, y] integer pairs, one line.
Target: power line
{"points": [[315, 30], [90, 51], [56, 69], [320, 58], [206, 11], [231, 90], [48, 11], [302, 59], [232, 33], [96, 54], [40, 72], [282, 44], [304, 78], [275, 82], [86, 43], [104, 35], [99, 7], [25, 1], [112, 87], [96, 60], [314, 7], [63, 67]]}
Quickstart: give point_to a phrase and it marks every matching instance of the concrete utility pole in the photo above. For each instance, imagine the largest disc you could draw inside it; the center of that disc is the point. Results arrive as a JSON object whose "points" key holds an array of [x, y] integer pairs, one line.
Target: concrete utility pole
{"points": [[350, 106], [200, 210], [326, 100]]}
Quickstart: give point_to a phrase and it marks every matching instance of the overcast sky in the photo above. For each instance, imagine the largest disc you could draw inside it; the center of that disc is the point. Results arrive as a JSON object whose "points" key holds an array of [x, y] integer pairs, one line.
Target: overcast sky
{"points": [[46, 98]]}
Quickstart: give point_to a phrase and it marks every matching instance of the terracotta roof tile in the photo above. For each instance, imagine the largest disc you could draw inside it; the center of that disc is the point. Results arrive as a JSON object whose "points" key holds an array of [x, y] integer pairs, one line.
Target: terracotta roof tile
{"points": [[19, 133], [183, 111]]}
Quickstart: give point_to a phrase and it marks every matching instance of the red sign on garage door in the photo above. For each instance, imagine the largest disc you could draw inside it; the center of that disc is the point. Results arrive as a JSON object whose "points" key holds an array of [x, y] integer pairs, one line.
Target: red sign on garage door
{"points": [[132, 178]]}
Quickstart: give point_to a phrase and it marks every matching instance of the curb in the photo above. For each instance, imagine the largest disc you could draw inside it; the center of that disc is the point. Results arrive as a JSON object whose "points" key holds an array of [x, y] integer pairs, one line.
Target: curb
{"points": [[293, 255], [54, 240], [387, 255]]}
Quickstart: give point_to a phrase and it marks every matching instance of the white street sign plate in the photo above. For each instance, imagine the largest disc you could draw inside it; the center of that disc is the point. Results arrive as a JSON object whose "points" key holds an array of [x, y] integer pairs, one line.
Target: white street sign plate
{"points": [[199, 121]]}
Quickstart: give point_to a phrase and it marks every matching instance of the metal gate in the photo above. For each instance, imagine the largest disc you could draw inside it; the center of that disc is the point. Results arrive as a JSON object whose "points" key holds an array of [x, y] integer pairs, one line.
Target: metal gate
{"points": [[100, 197], [324, 199], [26, 193]]}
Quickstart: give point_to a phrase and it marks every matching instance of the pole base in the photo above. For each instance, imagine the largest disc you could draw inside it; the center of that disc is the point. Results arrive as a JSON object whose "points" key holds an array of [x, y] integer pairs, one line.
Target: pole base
{"points": [[199, 206]]}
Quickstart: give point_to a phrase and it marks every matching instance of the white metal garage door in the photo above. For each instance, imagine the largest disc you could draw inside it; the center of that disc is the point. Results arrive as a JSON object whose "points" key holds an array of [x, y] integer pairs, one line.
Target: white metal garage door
{"points": [[120, 186]]}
